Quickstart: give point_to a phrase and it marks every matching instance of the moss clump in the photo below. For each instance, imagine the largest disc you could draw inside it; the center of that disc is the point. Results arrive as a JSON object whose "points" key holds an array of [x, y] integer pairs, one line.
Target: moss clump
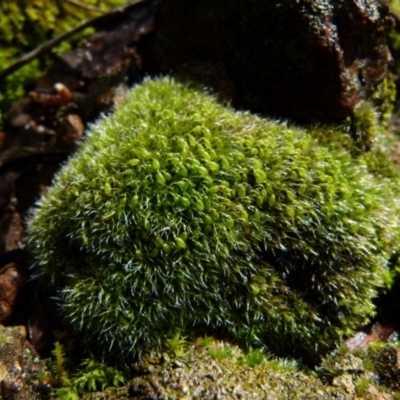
{"points": [[178, 214]]}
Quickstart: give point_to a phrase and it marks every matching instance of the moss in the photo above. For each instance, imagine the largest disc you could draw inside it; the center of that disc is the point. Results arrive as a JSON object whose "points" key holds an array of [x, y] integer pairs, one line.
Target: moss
{"points": [[27, 23], [201, 376], [254, 357], [91, 376], [5, 338], [217, 354], [395, 36], [59, 366], [376, 367], [14, 86], [363, 126], [383, 361], [384, 98], [178, 214], [176, 345], [219, 350]]}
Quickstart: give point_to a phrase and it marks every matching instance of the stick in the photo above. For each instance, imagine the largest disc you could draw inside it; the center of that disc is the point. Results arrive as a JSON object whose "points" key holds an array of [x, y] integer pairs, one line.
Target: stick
{"points": [[84, 6], [45, 47]]}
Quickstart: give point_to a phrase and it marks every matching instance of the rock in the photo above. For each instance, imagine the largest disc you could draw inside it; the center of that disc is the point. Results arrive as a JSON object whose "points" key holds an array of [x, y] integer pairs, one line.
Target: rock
{"points": [[20, 369], [71, 129], [386, 362], [7, 187], [15, 234], [299, 59], [374, 394], [12, 280], [377, 333], [206, 376], [346, 382]]}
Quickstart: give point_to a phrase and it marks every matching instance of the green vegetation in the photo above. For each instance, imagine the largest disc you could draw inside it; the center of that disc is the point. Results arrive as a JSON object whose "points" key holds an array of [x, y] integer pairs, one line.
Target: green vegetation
{"points": [[219, 350], [383, 361], [375, 367], [177, 345], [205, 341], [362, 385], [254, 357], [90, 376], [220, 353], [26, 24], [60, 373], [178, 214]]}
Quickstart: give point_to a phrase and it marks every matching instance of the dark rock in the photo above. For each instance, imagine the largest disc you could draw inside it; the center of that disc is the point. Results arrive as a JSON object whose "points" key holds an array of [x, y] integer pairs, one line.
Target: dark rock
{"points": [[20, 368], [300, 59], [15, 233], [386, 361], [7, 187], [42, 321]]}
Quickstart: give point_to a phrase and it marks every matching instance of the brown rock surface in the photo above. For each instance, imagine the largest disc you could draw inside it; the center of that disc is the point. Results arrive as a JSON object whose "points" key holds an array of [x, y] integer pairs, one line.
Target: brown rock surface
{"points": [[12, 279], [299, 59], [19, 366]]}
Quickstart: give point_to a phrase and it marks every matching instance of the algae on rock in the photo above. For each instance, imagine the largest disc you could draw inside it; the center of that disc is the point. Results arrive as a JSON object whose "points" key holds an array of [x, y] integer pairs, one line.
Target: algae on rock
{"points": [[178, 214], [200, 374], [21, 371]]}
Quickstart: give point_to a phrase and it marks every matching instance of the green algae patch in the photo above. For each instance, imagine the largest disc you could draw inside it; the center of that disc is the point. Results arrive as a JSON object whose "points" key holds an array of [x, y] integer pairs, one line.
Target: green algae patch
{"points": [[180, 215]]}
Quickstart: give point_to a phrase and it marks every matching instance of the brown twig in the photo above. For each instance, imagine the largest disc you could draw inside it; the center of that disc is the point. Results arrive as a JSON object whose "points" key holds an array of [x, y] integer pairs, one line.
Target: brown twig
{"points": [[84, 6], [45, 47]]}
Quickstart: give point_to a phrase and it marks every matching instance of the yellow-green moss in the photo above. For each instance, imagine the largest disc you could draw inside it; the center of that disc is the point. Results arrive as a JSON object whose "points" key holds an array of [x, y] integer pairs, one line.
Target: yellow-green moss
{"points": [[178, 214]]}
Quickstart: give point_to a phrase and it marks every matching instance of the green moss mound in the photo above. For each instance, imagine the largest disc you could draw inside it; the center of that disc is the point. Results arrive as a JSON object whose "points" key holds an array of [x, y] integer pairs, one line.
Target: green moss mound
{"points": [[179, 214]]}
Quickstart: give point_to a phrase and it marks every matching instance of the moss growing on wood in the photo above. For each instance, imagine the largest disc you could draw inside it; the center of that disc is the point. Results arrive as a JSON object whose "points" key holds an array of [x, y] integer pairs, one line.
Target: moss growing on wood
{"points": [[178, 214]]}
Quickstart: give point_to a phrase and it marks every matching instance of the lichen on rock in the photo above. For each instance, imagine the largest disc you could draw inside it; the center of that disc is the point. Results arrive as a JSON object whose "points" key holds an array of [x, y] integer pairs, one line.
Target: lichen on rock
{"points": [[178, 214], [21, 371], [213, 368]]}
